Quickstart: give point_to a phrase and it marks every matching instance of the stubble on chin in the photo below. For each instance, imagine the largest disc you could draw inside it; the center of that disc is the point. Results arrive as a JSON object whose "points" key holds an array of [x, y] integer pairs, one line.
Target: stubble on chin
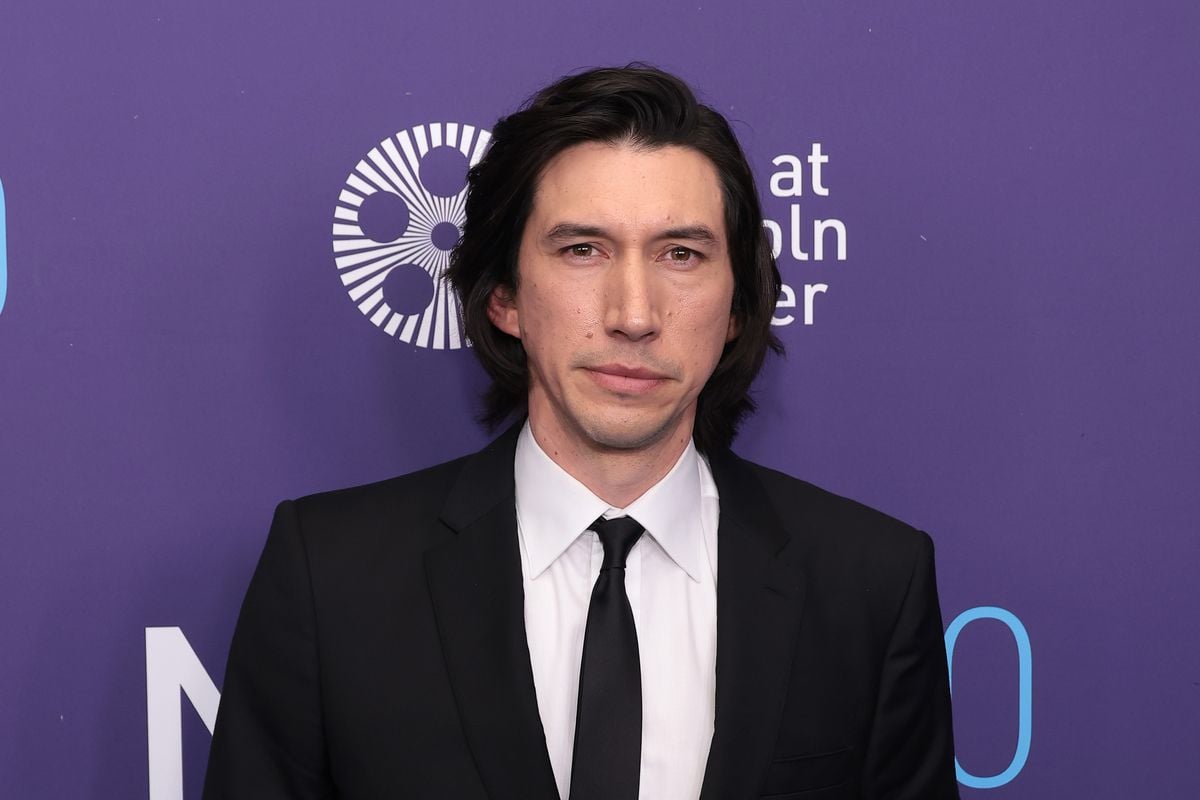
{"points": [[635, 431], [635, 424], [602, 423], [624, 438]]}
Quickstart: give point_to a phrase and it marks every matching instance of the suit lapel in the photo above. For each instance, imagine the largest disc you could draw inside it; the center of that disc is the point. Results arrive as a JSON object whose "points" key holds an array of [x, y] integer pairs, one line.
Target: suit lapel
{"points": [[476, 587], [760, 597]]}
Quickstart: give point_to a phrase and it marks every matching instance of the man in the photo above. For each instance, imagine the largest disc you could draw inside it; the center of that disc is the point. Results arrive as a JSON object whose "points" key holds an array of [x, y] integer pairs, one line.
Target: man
{"points": [[605, 602]]}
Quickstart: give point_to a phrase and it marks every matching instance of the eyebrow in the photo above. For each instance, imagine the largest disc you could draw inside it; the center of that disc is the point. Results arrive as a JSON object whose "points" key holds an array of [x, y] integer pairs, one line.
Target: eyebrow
{"points": [[571, 230]]}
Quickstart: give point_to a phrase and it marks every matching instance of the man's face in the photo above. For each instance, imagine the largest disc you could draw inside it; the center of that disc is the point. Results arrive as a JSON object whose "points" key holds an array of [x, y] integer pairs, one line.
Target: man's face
{"points": [[624, 295]]}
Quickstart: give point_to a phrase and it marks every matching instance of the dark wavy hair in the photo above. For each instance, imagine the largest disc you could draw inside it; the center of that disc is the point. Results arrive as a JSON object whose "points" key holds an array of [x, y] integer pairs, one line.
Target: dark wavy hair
{"points": [[640, 105]]}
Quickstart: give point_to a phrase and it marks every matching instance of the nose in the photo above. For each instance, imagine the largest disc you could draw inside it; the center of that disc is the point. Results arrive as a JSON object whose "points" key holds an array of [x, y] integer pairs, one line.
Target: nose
{"points": [[631, 300]]}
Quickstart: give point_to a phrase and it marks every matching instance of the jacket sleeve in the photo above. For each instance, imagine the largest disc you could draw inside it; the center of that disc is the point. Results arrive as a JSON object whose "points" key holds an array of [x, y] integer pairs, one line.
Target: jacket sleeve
{"points": [[910, 755], [268, 742]]}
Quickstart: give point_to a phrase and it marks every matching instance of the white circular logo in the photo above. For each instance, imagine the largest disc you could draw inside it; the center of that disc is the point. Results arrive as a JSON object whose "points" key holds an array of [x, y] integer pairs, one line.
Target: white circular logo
{"points": [[396, 221]]}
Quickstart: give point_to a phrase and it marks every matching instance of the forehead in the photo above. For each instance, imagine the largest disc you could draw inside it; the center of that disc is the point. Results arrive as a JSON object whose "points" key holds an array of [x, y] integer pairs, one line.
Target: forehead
{"points": [[626, 185]]}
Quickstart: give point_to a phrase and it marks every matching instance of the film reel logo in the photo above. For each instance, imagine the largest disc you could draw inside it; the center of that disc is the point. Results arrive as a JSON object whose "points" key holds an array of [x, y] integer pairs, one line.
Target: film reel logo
{"points": [[398, 217]]}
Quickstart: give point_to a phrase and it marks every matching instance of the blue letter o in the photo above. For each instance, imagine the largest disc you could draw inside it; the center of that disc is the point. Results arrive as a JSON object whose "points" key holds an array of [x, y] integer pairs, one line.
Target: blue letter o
{"points": [[1024, 698]]}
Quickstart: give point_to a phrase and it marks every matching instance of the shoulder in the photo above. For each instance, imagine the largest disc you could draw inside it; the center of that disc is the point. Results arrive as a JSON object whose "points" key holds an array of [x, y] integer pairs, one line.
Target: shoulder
{"points": [[826, 522], [368, 520], [862, 563], [404, 494], [408, 513]]}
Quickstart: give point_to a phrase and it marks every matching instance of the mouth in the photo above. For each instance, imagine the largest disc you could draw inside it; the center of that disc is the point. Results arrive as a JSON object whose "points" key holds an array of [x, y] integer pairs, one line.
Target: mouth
{"points": [[623, 379]]}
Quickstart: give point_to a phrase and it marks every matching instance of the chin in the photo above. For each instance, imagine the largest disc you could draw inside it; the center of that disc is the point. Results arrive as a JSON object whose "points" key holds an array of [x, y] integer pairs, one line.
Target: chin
{"points": [[627, 434]]}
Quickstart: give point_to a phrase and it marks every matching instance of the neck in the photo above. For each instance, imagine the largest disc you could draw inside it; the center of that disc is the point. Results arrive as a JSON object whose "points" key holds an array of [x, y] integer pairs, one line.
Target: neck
{"points": [[618, 476]]}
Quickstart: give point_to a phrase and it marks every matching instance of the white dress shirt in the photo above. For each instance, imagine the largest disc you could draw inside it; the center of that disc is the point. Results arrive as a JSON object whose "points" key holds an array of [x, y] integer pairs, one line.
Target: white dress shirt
{"points": [[670, 578]]}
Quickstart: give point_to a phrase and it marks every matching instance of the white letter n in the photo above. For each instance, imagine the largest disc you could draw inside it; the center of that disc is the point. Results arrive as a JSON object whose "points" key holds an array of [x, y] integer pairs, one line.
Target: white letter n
{"points": [[172, 665]]}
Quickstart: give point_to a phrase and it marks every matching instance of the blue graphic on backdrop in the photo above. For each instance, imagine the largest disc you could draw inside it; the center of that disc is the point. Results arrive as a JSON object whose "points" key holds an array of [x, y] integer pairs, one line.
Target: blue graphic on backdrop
{"points": [[398, 216], [1024, 693], [3, 250]]}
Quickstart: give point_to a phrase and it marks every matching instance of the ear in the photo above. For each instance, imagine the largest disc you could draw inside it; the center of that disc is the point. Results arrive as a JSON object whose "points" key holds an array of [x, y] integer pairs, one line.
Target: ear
{"points": [[502, 311], [735, 328]]}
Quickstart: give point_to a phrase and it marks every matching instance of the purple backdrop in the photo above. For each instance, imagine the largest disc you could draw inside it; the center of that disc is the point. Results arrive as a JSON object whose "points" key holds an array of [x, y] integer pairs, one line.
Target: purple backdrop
{"points": [[1006, 356]]}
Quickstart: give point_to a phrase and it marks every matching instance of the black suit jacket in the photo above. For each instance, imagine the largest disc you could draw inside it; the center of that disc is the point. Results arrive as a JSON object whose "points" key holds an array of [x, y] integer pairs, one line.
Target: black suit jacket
{"points": [[381, 650]]}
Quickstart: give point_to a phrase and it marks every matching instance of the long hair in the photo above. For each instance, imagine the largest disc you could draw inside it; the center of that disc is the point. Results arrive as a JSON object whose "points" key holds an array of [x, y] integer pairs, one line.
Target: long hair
{"points": [[645, 107]]}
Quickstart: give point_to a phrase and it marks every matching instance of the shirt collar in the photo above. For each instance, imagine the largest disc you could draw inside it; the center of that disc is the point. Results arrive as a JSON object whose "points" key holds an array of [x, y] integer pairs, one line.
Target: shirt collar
{"points": [[554, 508]]}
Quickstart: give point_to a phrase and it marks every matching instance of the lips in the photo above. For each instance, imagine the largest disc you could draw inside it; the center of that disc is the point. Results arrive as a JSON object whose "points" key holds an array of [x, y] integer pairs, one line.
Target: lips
{"points": [[624, 379]]}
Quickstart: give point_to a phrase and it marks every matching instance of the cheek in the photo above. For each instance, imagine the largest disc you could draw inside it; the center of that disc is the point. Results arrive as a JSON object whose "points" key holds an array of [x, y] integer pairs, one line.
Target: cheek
{"points": [[705, 325], [705, 318], [555, 325], [551, 303]]}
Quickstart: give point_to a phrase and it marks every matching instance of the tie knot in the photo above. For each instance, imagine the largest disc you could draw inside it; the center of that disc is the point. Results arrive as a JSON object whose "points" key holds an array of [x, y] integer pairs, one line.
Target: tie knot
{"points": [[618, 536]]}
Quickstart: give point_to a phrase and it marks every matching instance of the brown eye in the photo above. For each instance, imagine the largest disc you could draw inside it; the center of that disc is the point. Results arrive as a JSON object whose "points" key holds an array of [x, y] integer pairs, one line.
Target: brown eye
{"points": [[582, 250], [680, 254]]}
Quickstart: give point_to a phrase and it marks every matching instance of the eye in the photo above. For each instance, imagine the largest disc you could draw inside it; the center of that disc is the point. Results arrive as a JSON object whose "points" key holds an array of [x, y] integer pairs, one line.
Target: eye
{"points": [[583, 251], [681, 255]]}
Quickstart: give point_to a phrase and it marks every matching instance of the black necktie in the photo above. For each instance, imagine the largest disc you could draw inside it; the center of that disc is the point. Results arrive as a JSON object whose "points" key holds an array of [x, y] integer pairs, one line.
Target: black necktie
{"points": [[608, 726]]}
